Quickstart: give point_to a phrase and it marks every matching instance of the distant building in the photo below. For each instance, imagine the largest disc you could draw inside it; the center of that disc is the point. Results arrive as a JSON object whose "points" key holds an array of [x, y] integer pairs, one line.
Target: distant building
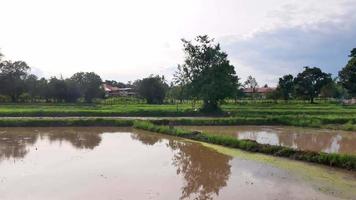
{"points": [[111, 91], [349, 101], [259, 92]]}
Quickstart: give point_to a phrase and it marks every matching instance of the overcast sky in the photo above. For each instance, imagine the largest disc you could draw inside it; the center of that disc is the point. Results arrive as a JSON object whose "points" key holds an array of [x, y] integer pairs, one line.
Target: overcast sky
{"points": [[129, 39]]}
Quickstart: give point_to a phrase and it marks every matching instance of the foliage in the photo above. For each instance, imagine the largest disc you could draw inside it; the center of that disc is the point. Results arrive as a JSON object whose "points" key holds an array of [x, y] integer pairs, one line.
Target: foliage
{"points": [[207, 72], [309, 82], [348, 74], [353, 53], [57, 89], [12, 78], [31, 84], [286, 86], [116, 84], [251, 83], [333, 90], [152, 88], [89, 85]]}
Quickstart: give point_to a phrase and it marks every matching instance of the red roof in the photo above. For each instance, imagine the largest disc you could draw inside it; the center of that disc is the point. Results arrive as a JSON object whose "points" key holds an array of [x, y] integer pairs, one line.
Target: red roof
{"points": [[110, 88]]}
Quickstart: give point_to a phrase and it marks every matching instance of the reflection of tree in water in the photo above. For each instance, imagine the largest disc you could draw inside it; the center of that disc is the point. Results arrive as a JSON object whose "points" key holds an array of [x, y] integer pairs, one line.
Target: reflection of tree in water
{"points": [[147, 139], [205, 171], [80, 139], [13, 145]]}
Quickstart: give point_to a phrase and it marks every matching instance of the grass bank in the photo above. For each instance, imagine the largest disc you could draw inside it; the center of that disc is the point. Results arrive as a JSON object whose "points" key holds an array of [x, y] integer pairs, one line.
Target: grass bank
{"points": [[270, 120], [335, 160], [64, 122], [313, 122]]}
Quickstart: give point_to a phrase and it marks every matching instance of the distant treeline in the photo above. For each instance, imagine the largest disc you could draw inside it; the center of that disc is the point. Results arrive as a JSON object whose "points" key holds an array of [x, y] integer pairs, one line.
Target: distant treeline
{"points": [[205, 75], [17, 84]]}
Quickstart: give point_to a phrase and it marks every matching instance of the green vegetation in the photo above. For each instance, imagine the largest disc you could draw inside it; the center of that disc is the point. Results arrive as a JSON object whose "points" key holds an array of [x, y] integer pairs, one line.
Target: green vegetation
{"points": [[308, 83], [321, 115], [207, 73], [336, 160], [152, 88], [64, 122], [62, 110], [348, 74]]}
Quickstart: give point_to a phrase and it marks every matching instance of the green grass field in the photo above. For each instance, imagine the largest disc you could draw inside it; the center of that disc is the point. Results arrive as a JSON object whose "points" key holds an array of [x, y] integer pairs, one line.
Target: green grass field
{"points": [[312, 115], [49, 110], [252, 110]]}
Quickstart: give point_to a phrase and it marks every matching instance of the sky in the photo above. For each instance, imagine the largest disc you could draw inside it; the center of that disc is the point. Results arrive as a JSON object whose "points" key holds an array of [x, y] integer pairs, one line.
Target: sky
{"points": [[125, 40]]}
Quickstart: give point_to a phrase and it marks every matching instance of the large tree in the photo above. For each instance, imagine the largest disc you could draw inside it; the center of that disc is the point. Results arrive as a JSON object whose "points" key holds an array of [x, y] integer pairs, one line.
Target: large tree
{"points": [[57, 89], [12, 78], [72, 90], [43, 89], [89, 84], [207, 72], [31, 84], [348, 74], [333, 90], [152, 88], [309, 82], [286, 86]]}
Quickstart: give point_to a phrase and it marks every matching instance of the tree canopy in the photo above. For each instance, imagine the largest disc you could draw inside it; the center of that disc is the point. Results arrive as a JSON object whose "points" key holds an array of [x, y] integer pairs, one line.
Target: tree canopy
{"points": [[309, 82], [89, 84], [12, 78], [348, 74], [207, 72], [251, 83], [152, 88], [286, 86], [353, 53]]}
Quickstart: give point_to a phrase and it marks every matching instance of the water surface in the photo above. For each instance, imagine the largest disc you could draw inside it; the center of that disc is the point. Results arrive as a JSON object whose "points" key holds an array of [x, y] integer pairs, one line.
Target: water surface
{"points": [[320, 140], [122, 163]]}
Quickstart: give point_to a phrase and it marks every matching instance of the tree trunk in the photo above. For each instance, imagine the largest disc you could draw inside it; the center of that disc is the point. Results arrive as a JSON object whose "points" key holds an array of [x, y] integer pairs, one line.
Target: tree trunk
{"points": [[210, 106], [13, 98]]}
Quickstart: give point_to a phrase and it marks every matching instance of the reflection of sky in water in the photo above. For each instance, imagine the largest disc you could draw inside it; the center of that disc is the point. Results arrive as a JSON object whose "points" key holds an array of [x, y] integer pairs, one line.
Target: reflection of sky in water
{"points": [[303, 139], [262, 137], [310, 139], [335, 145]]}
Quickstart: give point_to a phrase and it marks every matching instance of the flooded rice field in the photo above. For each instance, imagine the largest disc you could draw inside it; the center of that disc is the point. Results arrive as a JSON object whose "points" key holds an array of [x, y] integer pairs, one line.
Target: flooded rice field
{"points": [[123, 163], [320, 140]]}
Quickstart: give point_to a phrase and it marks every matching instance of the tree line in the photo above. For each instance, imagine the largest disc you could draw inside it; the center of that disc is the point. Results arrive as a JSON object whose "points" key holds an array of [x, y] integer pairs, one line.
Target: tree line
{"points": [[18, 84], [313, 82], [206, 74]]}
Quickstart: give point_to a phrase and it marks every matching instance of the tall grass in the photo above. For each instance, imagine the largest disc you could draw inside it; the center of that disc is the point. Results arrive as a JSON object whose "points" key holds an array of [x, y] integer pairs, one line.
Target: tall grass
{"points": [[336, 160]]}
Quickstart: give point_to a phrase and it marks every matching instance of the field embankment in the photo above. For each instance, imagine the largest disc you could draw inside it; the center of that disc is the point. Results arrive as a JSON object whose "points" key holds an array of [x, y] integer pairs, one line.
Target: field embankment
{"points": [[335, 160], [321, 115]]}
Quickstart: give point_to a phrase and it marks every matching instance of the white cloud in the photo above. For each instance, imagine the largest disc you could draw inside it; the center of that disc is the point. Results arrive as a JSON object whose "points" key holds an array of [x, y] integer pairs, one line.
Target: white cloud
{"points": [[125, 40]]}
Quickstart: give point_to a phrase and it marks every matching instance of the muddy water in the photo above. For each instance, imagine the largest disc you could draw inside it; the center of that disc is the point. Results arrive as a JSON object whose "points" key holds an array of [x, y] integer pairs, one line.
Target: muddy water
{"points": [[122, 163], [321, 140]]}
